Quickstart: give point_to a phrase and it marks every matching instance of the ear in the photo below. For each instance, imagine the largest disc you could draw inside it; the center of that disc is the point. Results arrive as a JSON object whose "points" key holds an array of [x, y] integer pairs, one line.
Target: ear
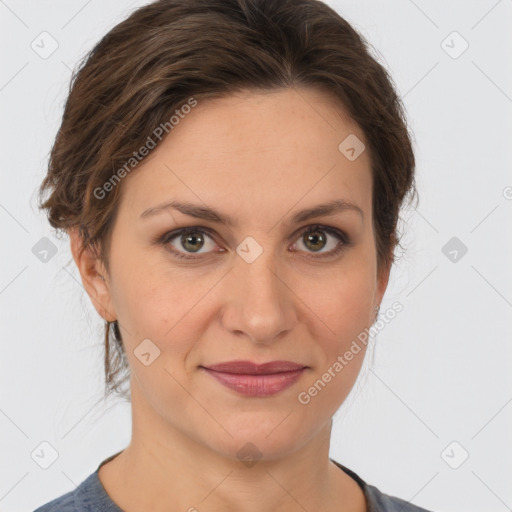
{"points": [[94, 276], [382, 282]]}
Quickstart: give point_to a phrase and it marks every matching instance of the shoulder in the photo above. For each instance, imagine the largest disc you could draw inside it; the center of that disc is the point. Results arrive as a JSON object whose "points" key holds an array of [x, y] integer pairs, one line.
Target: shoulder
{"points": [[89, 496], [377, 500], [86, 497], [382, 502], [65, 503]]}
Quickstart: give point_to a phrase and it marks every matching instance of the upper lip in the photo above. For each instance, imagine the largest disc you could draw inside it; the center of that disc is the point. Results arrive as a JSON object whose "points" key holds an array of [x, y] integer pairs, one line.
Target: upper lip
{"points": [[250, 368]]}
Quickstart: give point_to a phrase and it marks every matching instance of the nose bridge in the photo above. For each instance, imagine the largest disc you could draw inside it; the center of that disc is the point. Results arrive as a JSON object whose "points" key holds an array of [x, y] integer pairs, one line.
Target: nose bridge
{"points": [[259, 303], [257, 260], [261, 277]]}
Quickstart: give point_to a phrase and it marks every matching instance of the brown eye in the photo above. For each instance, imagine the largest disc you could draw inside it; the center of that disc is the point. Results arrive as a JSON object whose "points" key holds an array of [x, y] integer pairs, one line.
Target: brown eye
{"points": [[192, 241], [186, 242], [315, 240]]}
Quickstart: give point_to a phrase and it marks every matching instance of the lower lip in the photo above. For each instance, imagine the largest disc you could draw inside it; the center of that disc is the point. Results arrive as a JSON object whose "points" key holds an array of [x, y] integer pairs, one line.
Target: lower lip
{"points": [[257, 385]]}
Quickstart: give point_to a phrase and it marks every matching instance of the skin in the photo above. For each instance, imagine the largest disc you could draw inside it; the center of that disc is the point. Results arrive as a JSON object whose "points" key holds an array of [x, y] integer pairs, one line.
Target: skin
{"points": [[259, 158]]}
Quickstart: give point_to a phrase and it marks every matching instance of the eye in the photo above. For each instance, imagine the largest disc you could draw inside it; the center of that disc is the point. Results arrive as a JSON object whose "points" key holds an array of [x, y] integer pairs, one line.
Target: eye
{"points": [[191, 239], [314, 239], [184, 243]]}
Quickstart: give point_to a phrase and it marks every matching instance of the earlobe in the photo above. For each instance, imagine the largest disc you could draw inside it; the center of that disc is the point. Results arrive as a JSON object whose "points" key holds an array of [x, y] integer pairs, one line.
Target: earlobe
{"points": [[93, 274]]}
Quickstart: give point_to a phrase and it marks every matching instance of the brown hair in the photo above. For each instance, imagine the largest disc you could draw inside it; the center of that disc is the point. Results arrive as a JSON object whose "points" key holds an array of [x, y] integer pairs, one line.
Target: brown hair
{"points": [[168, 51]]}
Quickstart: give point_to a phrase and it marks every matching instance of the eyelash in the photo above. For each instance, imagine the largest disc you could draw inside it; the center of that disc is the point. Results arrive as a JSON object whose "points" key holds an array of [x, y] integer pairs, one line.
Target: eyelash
{"points": [[166, 238]]}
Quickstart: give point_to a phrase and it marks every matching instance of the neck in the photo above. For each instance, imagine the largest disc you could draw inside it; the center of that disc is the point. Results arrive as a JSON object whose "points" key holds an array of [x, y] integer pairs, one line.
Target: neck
{"points": [[166, 469]]}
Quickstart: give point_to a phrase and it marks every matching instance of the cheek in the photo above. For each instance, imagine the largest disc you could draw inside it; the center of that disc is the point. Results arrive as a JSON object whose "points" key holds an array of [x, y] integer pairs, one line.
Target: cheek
{"points": [[140, 299], [156, 303], [339, 328], [340, 303]]}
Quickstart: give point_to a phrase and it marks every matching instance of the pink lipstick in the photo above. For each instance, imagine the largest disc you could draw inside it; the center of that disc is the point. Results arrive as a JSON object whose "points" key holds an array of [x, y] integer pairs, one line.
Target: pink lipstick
{"points": [[258, 380]]}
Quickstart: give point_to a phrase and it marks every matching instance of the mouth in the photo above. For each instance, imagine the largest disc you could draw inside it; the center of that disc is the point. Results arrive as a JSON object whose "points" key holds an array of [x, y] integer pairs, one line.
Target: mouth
{"points": [[257, 380]]}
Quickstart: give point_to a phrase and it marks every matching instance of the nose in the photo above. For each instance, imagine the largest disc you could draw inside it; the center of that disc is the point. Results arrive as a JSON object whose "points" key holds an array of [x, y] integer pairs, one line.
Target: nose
{"points": [[259, 304]]}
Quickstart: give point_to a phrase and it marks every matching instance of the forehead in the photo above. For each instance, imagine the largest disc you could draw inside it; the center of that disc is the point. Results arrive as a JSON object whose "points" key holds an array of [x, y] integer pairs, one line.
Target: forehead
{"points": [[254, 152]]}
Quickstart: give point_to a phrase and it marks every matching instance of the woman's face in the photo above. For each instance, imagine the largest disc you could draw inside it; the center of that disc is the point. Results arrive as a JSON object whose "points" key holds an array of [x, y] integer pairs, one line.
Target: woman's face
{"points": [[258, 289]]}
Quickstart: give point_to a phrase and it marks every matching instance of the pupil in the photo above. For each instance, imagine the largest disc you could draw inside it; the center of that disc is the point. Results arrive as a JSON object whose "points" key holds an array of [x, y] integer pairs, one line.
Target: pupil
{"points": [[192, 239], [312, 237]]}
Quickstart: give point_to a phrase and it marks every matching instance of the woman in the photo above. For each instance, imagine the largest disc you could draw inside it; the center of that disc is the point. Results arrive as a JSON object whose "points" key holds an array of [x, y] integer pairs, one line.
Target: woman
{"points": [[230, 174]]}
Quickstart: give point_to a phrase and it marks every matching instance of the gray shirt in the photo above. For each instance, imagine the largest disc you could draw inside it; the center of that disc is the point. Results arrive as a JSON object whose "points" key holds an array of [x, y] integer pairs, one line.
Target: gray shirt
{"points": [[91, 496]]}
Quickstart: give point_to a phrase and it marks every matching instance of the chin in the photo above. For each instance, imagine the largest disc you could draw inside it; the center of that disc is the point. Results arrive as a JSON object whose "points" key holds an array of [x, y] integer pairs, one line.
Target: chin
{"points": [[261, 437]]}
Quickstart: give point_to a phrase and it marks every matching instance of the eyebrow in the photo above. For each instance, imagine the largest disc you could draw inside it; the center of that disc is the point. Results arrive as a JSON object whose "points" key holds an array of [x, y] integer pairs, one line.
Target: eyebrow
{"points": [[207, 213]]}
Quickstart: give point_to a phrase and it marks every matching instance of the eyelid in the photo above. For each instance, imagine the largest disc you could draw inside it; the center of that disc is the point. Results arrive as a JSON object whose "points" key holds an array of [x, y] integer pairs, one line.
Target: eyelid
{"points": [[168, 236]]}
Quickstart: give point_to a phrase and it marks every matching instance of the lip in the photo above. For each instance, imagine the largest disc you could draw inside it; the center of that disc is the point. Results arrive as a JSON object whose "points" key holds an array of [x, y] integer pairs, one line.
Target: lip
{"points": [[257, 380], [250, 368]]}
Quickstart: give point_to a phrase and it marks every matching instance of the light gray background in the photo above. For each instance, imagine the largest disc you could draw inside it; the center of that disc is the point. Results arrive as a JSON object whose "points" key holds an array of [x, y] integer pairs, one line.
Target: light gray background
{"points": [[442, 369]]}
